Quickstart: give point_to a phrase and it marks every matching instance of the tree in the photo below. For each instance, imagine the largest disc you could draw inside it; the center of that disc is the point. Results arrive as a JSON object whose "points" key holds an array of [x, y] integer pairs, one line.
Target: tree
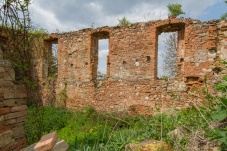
{"points": [[170, 57], [175, 10], [124, 21]]}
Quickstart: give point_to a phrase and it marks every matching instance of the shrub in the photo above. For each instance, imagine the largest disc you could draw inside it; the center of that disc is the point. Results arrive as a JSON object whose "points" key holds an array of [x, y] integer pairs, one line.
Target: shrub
{"points": [[43, 120], [175, 10], [124, 21]]}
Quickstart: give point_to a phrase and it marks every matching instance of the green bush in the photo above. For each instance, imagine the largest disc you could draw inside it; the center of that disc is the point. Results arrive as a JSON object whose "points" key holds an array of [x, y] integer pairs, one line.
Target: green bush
{"points": [[89, 130], [42, 120], [175, 10], [219, 113]]}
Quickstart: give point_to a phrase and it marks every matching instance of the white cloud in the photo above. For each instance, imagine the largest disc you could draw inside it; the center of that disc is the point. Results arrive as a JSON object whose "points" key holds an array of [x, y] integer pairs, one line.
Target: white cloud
{"points": [[103, 53], [81, 14], [44, 18]]}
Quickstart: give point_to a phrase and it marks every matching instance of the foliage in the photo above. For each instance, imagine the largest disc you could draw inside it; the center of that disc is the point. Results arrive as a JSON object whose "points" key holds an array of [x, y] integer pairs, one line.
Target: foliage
{"points": [[175, 10], [40, 31], [15, 20], [46, 119], [91, 130], [124, 21], [219, 113], [165, 78]]}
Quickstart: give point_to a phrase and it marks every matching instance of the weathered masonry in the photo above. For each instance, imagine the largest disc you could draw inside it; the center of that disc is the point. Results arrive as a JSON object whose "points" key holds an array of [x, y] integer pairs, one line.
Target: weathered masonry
{"points": [[131, 83], [13, 109]]}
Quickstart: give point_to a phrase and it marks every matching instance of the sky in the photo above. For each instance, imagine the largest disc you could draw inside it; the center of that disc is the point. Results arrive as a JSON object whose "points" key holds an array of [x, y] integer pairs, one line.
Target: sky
{"points": [[72, 15]]}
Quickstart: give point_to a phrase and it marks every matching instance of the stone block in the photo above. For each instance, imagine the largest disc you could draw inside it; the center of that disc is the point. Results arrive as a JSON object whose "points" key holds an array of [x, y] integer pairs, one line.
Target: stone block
{"points": [[15, 115], [1, 96], [10, 122], [29, 148], [21, 119], [1, 104], [21, 101], [19, 108], [177, 86], [1, 75], [10, 102], [13, 95], [18, 131], [1, 54], [5, 63], [2, 69], [6, 138], [46, 142], [9, 74], [2, 118], [5, 84], [60, 145]]}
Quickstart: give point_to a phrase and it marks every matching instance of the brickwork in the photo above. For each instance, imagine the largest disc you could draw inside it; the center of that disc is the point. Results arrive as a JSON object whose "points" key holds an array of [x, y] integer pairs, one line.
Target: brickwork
{"points": [[13, 109], [132, 84]]}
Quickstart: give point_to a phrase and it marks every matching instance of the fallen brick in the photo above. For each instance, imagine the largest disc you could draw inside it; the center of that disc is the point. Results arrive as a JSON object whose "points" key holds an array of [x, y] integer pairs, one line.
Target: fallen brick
{"points": [[46, 142]]}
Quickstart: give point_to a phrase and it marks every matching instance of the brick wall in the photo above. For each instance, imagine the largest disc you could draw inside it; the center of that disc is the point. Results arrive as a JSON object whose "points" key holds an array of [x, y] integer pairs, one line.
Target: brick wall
{"points": [[132, 83], [13, 109]]}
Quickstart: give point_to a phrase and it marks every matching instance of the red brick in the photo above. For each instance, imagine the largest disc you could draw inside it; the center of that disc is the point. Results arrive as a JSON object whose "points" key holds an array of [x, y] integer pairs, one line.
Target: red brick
{"points": [[5, 128], [4, 111]]}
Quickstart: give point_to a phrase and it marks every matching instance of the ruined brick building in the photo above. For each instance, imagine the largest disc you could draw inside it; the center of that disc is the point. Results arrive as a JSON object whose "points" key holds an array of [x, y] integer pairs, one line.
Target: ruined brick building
{"points": [[131, 82]]}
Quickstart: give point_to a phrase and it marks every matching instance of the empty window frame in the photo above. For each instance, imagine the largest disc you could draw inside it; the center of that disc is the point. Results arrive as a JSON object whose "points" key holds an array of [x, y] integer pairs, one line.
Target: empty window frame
{"points": [[167, 54], [52, 57], [170, 38], [99, 55]]}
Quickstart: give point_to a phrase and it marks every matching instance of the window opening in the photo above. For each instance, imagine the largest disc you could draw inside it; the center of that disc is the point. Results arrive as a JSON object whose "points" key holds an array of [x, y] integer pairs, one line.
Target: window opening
{"points": [[53, 60], [167, 55], [103, 50]]}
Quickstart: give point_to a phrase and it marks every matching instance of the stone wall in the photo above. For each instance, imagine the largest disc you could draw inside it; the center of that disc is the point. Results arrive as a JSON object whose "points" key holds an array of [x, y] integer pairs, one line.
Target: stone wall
{"points": [[13, 109], [132, 84]]}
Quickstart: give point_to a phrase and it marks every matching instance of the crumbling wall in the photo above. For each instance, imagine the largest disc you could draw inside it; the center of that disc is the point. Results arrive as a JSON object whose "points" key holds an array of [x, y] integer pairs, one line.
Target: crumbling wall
{"points": [[13, 109], [132, 82]]}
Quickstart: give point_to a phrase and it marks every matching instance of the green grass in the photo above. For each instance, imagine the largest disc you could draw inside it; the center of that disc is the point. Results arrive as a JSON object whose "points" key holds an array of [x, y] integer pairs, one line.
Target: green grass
{"points": [[88, 130]]}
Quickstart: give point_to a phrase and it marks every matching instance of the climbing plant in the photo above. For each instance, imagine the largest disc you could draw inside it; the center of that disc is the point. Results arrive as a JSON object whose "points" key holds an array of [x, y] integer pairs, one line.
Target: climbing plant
{"points": [[15, 26]]}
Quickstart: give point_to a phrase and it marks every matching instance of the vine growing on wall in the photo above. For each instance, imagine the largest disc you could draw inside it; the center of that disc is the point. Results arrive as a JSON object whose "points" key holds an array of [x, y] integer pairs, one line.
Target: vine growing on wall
{"points": [[15, 26], [17, 40]]}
